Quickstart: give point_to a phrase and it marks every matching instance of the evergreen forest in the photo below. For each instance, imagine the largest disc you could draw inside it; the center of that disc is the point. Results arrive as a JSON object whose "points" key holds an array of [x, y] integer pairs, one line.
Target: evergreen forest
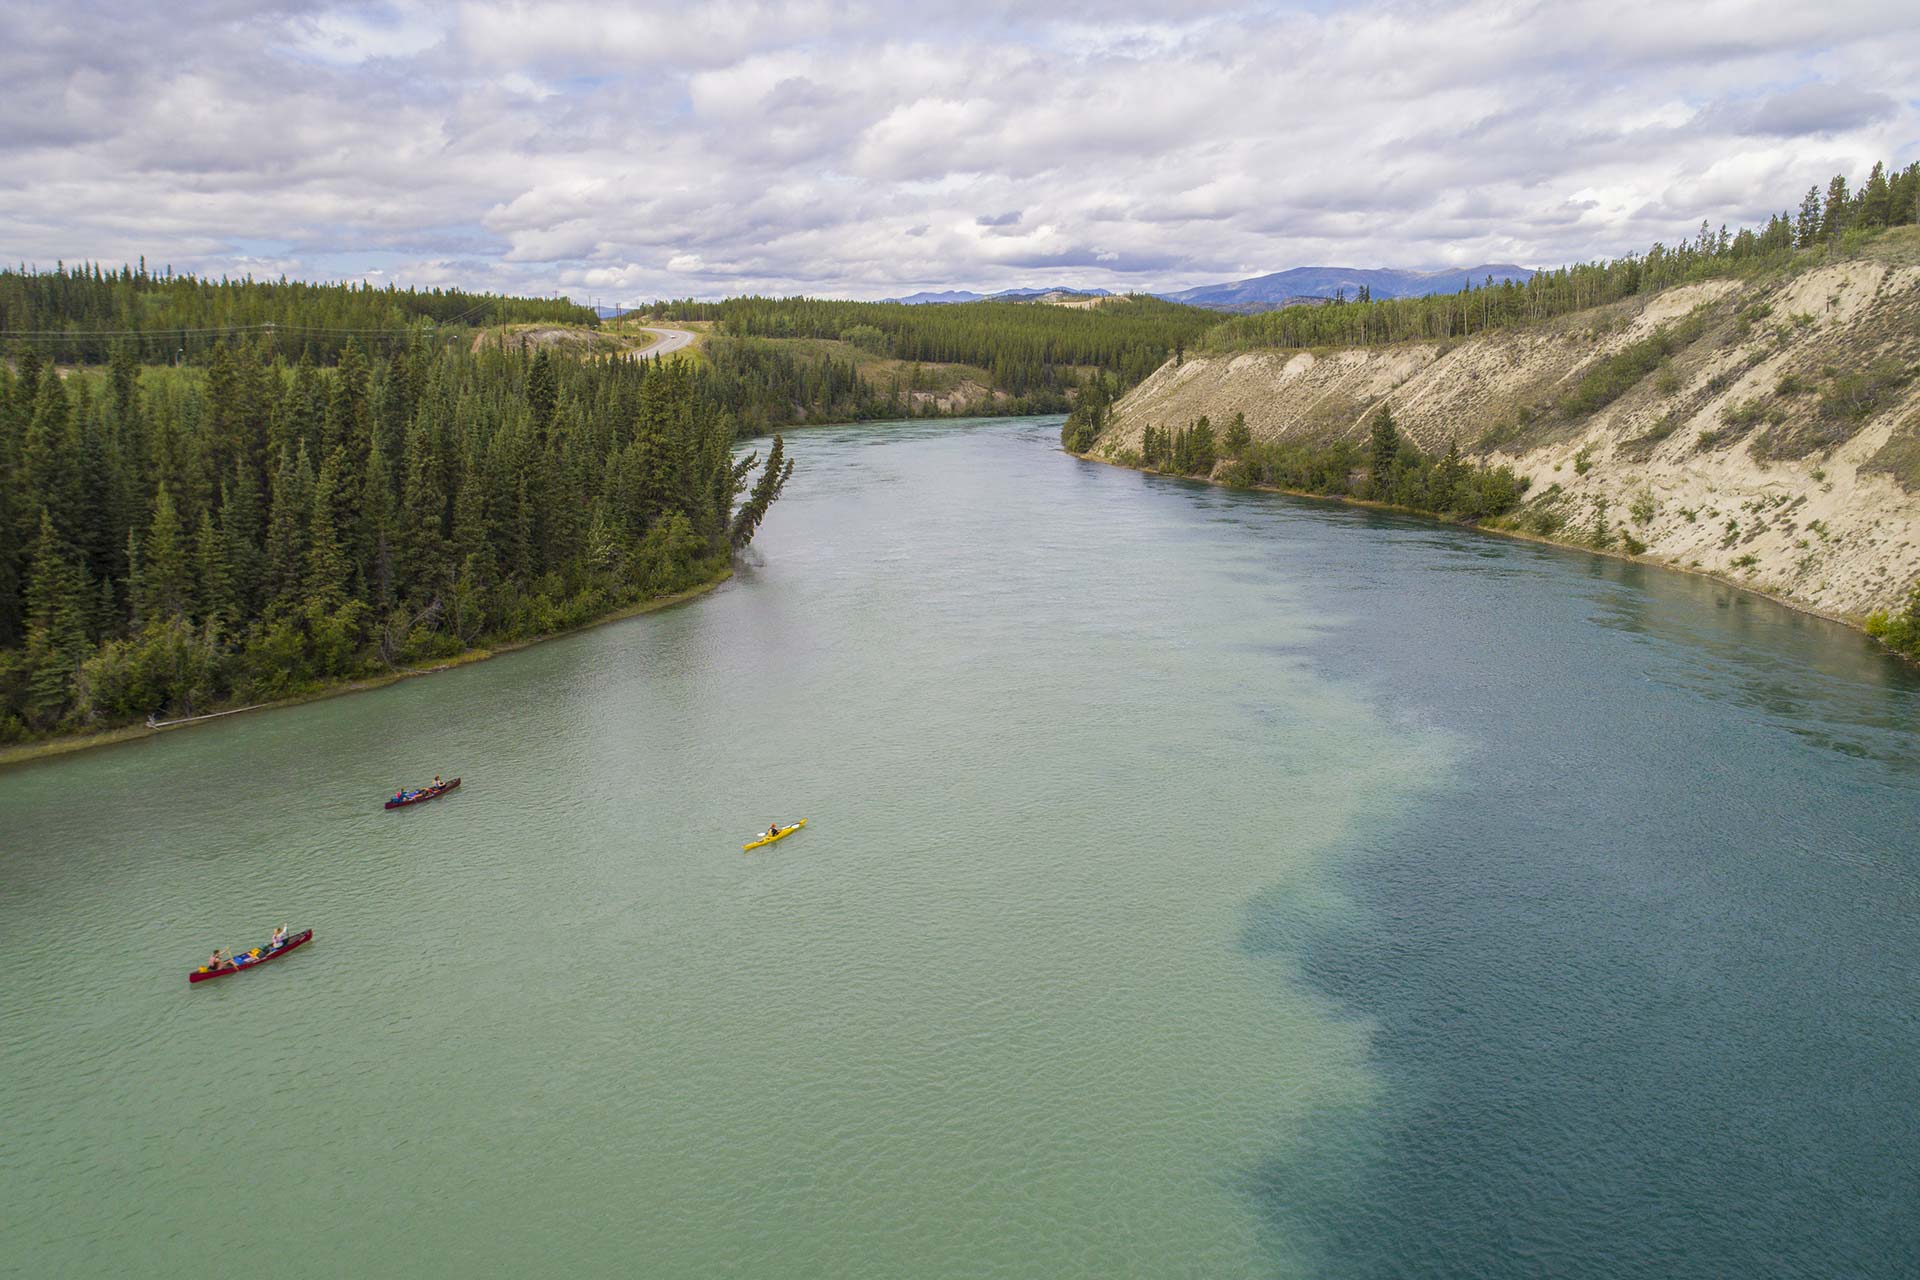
{"points": [[173, 539], [82, 314], [1028, 349]]}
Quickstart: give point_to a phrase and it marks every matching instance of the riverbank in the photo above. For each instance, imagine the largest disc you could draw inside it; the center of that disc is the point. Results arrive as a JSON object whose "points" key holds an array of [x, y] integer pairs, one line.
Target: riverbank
{"points": [[1857, 622], [1762, 429], [66, 744]]}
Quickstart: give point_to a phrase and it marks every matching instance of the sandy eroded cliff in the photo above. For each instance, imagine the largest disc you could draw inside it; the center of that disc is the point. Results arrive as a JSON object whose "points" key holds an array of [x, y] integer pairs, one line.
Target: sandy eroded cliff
{"points": [[1777, 442]]}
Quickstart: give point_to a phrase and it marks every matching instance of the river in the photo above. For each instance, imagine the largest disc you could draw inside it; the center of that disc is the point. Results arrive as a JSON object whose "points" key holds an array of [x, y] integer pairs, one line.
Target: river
{"points": [[1198, 883]]}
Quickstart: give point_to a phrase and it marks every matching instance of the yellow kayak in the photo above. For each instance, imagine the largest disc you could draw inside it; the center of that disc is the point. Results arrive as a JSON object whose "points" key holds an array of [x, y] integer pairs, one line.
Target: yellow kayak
{"points": [[782, 834]]}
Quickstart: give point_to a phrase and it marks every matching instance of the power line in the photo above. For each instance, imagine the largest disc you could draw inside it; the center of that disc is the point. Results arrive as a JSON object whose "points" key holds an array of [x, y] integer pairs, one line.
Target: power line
{"points": [[270, 326], [219, 329], [121, 333]]}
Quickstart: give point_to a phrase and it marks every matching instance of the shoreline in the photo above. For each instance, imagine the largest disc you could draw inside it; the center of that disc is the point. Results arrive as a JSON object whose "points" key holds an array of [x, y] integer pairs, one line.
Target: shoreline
{"points": [[765, 433], [67, 744], [1851, 622]]}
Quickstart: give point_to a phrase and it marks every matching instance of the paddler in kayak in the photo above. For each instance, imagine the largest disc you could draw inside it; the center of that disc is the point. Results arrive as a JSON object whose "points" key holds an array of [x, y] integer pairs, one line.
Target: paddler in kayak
{"points": [[773, 829]]}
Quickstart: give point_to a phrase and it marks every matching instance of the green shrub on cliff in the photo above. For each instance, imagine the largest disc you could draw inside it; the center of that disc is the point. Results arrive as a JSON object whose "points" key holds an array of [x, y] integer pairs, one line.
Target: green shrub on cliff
{"points": [[1077, 433], [1614, 376], [1089, 416], [1858, 394], [1899, 630]]}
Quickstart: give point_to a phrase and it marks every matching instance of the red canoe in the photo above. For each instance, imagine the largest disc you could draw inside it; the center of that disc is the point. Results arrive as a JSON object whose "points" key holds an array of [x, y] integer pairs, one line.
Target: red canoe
{"points": [[253, 959], [426, 793]]}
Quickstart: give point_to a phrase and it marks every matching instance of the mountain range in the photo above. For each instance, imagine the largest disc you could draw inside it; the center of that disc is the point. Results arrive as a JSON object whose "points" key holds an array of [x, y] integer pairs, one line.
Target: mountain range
{"points": [[967, 295], [1304, 284], [1299, 286]]}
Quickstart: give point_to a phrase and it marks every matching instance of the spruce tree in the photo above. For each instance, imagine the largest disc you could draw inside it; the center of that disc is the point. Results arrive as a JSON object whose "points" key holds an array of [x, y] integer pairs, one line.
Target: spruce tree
{"points": [[223, 409], [1237, 437], [324, 586], [123, 377], [1447, 478], [213, 585], [27, 369], [1807, 230], [422, 512], [746, 522], [470, 549], [136, 593], [1875, 202], [376, 506], [13, 500], [348, 416], [1201, 453], [97, 535], [1833, 215], [169, 572], [50, 476], [543, 389], [1385, 446], [287, 524], [519, 542], [58, 604], [302, 415], [240, 541]]}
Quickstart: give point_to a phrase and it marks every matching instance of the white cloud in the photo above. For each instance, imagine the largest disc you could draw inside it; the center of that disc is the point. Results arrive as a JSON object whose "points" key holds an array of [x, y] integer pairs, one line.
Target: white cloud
{"points": [[354, 34], [647, 150]]}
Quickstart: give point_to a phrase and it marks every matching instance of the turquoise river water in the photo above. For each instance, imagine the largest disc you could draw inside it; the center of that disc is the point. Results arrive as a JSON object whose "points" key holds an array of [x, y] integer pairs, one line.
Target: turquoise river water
{"points": [[1198, 883]]}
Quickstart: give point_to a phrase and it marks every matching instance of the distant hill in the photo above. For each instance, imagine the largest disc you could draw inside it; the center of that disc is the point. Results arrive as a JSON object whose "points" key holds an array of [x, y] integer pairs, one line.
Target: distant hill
{"points": [[1300, 286], [925, 298], [1319, 284], [967, 295], [606, 312]]}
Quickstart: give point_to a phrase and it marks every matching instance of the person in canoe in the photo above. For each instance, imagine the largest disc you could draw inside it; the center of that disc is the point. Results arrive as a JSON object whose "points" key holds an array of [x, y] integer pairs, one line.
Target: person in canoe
{"points": [[279, 938], [220, 959], [436, 783], [400, 796]]}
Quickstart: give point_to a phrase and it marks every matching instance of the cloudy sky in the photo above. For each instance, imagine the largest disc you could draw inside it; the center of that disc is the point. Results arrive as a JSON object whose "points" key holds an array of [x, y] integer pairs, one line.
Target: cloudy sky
{"points": [[628, 151]]}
